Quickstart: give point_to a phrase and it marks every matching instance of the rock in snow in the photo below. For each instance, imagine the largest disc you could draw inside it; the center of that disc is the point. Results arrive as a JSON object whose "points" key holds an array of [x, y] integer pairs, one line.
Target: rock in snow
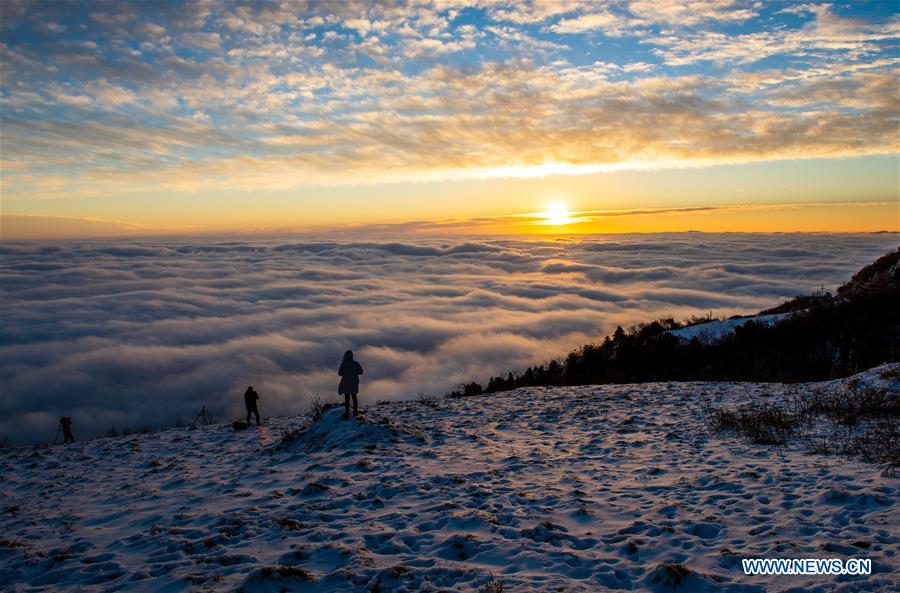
{"points": [[577, 489]]}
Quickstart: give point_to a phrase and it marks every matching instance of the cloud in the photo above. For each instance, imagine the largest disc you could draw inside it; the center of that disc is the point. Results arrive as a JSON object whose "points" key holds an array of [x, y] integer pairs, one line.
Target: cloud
{"points": [[604, 21], [816, 40], [197, 97], [134, 331], [431, 46], [686, 13], [201, 40], [536, 11]]}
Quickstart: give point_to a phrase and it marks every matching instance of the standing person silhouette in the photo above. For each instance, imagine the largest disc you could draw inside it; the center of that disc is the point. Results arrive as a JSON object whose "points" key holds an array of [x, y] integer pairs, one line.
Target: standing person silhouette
{"points": [[250, 399], [350, 370], [66, 423]]}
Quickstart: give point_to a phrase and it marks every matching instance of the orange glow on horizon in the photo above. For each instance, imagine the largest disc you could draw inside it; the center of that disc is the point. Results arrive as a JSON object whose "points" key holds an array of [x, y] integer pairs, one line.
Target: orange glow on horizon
{"points": [[557, 214], [555, 219]]}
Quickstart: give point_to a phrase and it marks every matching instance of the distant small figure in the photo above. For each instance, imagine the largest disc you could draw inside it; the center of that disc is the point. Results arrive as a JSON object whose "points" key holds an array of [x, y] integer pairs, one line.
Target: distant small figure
{"points": [[203, 417], [250, 399], [66, 424], [349, 371]]}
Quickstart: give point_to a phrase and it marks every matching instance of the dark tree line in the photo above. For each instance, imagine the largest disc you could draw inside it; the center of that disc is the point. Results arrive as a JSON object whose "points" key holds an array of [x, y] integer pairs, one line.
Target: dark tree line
{"points": [[825, 337]]}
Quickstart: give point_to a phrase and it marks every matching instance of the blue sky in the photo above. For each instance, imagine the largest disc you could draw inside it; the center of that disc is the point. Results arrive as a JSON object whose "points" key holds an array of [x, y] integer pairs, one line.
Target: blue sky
{"points": [[105, 102]]}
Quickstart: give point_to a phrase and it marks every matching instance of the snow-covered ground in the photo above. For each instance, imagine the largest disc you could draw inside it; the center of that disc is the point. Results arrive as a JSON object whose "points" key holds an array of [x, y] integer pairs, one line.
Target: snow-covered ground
{"points": [[566, 489], [713, 331]]}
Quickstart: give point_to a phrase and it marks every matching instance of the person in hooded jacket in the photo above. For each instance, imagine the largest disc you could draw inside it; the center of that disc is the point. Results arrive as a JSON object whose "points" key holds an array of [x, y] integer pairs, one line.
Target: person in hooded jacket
{"points": [[350, 370], [250, 399]]}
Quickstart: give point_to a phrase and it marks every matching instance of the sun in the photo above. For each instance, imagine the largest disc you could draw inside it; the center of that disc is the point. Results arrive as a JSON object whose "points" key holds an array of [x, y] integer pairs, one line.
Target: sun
{"points": [[557, 214]]}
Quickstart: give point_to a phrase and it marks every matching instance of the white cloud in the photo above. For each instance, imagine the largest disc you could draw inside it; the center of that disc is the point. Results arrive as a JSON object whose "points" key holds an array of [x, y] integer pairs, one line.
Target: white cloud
{"points": [[685, 13], [826, 33], [536, 11], [429, 46], [201, 40], [361, 25], [53, 27], [597, 21], [143, 330], [214, 93]]}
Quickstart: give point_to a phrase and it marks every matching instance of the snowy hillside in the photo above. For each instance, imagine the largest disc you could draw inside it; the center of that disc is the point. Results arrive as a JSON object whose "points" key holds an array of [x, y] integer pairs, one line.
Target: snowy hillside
{"points": [[713, 331], [568, 489]]}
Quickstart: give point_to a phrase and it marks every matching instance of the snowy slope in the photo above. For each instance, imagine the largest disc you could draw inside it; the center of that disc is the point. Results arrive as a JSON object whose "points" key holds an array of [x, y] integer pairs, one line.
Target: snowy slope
{"points": [[567, 489], [713, 331]]}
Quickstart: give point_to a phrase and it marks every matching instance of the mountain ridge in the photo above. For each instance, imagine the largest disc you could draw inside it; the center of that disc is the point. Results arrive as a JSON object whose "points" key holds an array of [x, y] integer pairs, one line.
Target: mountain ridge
{"points": [[824, 337]]}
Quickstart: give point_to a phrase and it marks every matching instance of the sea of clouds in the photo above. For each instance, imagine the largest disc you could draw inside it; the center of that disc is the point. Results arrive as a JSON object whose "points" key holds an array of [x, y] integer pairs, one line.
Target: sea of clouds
{"points": [[143, 331]]}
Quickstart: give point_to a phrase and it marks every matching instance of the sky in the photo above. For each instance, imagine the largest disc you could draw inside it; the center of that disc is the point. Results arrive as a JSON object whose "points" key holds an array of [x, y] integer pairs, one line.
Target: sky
{"points": [[127, 119], [143, 331]]}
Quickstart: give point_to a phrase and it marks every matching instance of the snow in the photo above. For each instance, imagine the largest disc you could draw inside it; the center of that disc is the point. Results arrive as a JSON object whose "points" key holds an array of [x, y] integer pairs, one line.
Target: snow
{"points": [[573, 489], [713, 331]]}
